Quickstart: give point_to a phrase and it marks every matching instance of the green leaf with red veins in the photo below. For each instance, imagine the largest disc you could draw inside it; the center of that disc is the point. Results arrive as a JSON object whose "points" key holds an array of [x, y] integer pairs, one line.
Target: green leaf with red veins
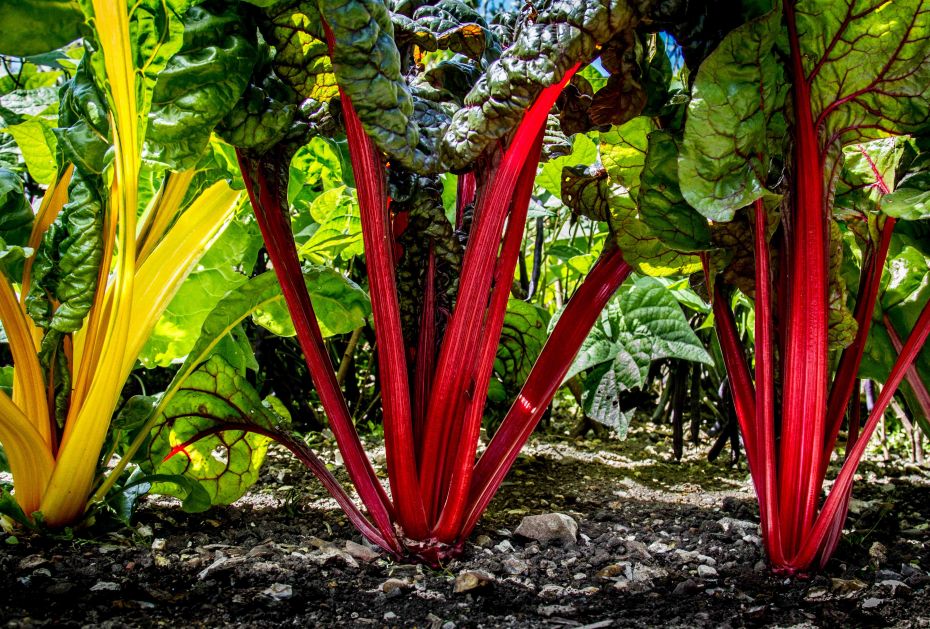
{"points": [[734, 120], [857, 196], [911, 198], [868, 63], [219, 405]]}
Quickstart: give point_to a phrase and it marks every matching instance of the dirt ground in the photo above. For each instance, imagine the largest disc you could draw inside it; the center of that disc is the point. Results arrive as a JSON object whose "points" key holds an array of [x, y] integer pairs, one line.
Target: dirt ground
{"points": [[658, 544]]}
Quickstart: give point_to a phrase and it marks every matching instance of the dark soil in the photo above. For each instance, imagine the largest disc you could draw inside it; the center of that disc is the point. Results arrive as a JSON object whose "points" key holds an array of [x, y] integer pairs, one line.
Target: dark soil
{"points": [[659, 544]]}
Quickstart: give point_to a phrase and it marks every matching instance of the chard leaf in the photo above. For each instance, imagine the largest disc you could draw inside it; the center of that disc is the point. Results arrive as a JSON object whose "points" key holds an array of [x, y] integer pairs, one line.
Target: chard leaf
{"points": [[338, 227], [911, 197], [563, 33], [841, 323], [31, 27], [367, 66], [265, 113], [83, 128], [15, 214], [200, 83], [868, 64], [216, 407], [219, 271], [735, 120], [302, 58], [37, 142], [583, 153], [661, 205], [67, 262], [340, 304], [623, 152], [522, 338], [586, 193]]}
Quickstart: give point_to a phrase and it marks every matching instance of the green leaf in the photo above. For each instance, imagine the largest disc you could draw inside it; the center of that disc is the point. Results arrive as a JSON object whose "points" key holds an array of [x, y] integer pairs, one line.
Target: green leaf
{"points": [[67, 262], [522, 338], [200, 84], [217, 407], [873, 66], [15, 214], [661, 205], [341, 306], [735, 120], [31, 27], [338, 228], [38, 144], [221, 270], [302, 58], [83, 126], [584, 153]]}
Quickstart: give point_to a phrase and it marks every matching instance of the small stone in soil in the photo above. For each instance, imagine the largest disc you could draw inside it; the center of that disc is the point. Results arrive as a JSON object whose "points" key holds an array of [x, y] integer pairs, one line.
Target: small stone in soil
{"points": [[158, 544], [471, 580], [513, 565], [105, 586], [549, 527], [872, 603], [32, 561], [394, 586], [279, 591], [706, 572], [361, 552], [687, 587]]}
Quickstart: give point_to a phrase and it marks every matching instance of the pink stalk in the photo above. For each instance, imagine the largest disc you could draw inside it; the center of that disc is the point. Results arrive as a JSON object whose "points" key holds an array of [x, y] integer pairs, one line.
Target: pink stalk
{"points": [[579, 316], [837, 502], [275, 226], [392, 360], [456, 366], [913, 377], [465, 194], [464, 449], [806, 354], [765, 391], [426, 352]]}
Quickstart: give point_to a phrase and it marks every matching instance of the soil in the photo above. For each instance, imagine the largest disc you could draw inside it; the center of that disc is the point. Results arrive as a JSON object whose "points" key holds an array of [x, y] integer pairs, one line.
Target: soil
{"points": [[659, 544]]}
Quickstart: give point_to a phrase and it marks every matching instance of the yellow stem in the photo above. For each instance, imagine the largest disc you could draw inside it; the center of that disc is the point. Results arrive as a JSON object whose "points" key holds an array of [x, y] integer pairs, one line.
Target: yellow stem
{"points": [[30, 460]]}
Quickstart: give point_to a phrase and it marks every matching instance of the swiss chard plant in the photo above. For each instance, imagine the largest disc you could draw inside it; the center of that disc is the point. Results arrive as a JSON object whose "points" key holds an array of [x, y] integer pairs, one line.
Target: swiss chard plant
{"points": [[428, 93], [792, 148], [128, 211]]}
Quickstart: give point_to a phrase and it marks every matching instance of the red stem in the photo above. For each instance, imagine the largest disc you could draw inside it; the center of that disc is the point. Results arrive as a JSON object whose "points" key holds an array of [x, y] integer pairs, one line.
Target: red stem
{"points": [[309, 458], [803, 424], [579, 316], [465, 194], [426, 352], [456, 367], [838, 501], [392, 361], [275, 226], [463, 451], [913, 377], [765, 390]]}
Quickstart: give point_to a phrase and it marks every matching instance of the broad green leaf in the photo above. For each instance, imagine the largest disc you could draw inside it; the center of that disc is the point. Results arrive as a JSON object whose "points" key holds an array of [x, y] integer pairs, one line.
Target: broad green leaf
{"points": [[222, 269], [734, 120], [338, 229], [584, 153], [200, 84], [522, 338], [15, 214], [67, 262], [83, 127], [38, 145], [302, 58], [31, 27], [869, 66], [219, 405], [911, 197], [661, 205], [341, 306]]}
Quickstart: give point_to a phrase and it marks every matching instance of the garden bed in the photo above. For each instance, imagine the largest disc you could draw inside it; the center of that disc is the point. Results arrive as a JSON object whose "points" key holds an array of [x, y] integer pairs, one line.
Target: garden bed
{"points": [[658, 544]]}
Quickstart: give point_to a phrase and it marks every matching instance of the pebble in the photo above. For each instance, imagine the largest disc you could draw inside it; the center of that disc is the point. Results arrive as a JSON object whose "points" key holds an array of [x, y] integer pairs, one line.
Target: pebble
{"points": [[361, 552], [878, 554], [549, 527], [513, 565], [687, 587], [472, 580], [279, 591], [105, 586], [658, 548], [872, 603], [394, 585], [32, 561], [158, 543], [390, 616], [550, 590], [706, 572]]}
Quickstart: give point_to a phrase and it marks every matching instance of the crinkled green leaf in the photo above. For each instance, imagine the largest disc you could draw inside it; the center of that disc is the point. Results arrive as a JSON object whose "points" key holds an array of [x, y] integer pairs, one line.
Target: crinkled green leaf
{"points": [[522, 338], [842, 326], [265, 113], [661, 205], [83, 126], [302, 58], [583, 153], [870, 63], [15, 214], [200, 84], [31, 27], [586, 192], [222, 269], [68, 260], [563, 33], [226, 461], [340, 304], [734, 120], [337, 231]]}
